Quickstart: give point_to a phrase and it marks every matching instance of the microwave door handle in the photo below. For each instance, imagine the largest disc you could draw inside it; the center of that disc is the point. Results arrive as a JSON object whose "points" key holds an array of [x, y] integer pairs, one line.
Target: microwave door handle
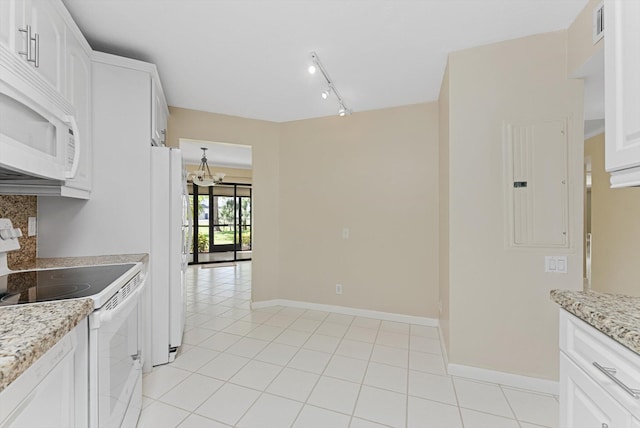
{"points": [[76, 153]]}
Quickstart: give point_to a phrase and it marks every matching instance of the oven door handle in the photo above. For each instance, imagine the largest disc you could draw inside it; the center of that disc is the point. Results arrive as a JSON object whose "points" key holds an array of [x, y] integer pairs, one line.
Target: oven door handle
{"points": [[128, 303]]}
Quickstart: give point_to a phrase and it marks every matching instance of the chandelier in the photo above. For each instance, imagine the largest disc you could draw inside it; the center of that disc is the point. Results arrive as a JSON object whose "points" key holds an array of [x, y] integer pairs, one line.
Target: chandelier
{"points": [[203, 176]]}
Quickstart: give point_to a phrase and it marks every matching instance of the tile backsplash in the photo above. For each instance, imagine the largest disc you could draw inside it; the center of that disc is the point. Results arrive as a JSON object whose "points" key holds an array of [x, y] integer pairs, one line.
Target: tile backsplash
{"points": [[18, 209]]}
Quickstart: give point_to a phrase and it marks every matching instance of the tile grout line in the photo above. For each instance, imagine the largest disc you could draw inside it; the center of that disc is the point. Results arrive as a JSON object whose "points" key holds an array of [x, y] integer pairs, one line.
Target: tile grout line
{"points": [[306, 402], [365, 372], [282, 368], [331, 355]]}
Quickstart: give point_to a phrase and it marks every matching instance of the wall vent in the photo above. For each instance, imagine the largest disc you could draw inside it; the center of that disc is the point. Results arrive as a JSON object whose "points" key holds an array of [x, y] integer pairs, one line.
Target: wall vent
{"points": [[598, 23]]}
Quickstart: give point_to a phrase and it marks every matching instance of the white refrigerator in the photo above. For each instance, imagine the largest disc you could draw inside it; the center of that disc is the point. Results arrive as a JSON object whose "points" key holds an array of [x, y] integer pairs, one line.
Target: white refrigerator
{"points": [[170, 232]]}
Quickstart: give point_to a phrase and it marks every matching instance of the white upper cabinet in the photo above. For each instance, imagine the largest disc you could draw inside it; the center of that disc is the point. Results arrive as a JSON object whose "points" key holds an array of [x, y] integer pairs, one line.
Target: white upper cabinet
{"points": [[48, 42], [12, 17], [622, 91], [35, 31], [78, 73], [47, 58], [159, 114]]}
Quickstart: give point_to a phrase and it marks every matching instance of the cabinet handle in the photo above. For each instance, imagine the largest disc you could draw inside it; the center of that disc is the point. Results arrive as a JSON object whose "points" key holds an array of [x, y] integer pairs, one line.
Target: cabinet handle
{"points": [[36, 60], [610, 373], [27, 33]]}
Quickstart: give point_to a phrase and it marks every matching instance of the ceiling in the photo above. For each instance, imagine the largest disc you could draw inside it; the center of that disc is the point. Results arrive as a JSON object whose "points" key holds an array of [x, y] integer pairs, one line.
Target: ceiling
{"points": [[249, 58]]}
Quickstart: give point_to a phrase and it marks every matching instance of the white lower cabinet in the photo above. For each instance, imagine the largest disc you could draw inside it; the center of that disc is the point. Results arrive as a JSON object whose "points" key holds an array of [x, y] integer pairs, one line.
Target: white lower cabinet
{"points": [[53, 391], [599, 378], [585, 403]]}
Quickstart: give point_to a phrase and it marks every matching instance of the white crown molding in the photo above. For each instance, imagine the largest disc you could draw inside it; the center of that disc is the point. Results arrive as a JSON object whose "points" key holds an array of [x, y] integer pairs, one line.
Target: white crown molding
{"points": [[597, 131], [385, 316]]}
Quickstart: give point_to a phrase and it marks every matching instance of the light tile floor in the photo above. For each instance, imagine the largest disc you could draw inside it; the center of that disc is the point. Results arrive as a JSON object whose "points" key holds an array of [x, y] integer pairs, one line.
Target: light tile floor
{"points": [[283, 367]]}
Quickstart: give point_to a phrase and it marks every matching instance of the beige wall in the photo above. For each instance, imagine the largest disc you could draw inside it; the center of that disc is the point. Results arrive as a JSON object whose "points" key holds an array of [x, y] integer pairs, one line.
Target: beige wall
{"points": [[376, 173], [443, 205], [580, 37], [615, 229], [501, 315], [263, 137]]}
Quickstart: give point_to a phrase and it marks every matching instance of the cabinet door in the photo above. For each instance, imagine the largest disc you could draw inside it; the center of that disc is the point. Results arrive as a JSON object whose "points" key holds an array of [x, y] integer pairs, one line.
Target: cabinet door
{"points": [[584, 404], [12, 18], [79, 94], [159, 115], [49, 27], [622, 84]]}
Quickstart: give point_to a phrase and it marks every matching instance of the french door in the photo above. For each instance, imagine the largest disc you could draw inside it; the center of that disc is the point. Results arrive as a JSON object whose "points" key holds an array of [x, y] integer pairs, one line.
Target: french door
{"points": [[222, 223]]}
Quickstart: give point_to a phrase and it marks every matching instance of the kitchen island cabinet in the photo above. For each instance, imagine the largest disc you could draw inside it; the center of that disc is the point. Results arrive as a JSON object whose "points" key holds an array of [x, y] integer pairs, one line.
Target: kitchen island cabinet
{"points": [[44, 364], [599, 359]]}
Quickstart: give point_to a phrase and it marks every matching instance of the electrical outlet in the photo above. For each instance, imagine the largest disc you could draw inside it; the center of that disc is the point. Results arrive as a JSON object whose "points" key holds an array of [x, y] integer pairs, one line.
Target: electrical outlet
{"points": [[32, 226], [338, 288]]}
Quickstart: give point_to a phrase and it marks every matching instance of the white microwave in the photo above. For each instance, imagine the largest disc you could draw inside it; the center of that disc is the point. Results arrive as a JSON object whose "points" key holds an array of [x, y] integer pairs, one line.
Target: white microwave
{"points": [[36, 142]]}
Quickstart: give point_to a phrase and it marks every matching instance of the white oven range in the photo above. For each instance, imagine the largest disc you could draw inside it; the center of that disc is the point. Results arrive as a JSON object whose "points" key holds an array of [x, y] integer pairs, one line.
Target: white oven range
{"points": [[115, 342], [115, 354]]}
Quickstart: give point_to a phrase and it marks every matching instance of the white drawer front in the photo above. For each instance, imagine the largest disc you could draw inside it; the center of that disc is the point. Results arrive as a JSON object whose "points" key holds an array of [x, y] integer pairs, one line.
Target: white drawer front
{"points": [[587, 347]]}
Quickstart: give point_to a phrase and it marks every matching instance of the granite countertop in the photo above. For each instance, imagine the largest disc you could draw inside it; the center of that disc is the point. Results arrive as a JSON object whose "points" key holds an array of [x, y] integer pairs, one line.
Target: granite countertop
{"points": [[61, 262], [28, 331], [615, 315]]}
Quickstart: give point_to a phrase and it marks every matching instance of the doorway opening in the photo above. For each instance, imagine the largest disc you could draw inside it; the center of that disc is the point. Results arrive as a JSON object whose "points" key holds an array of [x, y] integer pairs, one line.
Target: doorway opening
{"points": [[221, 210], [222, 223]]}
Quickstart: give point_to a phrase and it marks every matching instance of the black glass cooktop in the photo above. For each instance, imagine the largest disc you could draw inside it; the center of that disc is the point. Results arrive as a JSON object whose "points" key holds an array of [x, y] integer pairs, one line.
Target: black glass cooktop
{"points": [[57, 284]]}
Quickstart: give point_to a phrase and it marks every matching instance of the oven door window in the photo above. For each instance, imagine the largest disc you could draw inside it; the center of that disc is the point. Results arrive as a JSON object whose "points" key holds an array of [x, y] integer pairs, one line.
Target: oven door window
{"points": [[119, 364]]}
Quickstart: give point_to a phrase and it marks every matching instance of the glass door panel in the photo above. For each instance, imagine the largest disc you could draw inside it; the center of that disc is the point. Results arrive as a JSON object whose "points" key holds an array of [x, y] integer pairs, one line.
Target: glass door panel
{"points": [[222, 219], [203, 226]]}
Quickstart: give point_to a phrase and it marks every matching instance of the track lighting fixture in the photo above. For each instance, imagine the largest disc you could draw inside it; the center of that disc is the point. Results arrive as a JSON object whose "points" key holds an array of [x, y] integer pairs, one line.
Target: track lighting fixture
{"points": [[343, 111]]}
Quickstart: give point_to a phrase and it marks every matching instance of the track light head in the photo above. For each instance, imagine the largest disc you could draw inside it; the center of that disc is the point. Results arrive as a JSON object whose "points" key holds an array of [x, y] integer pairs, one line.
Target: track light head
{"points": [[317, 65]]}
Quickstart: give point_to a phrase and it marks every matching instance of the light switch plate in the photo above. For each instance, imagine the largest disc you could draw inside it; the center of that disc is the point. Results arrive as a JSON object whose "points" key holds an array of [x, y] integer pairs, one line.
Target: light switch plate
{"points": [[555, 264]]}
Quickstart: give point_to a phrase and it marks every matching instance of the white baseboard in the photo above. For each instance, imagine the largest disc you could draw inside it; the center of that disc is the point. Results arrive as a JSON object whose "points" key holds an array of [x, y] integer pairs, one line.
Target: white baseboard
{"points": [[506, 379], [386, 316], [443, 346]]}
